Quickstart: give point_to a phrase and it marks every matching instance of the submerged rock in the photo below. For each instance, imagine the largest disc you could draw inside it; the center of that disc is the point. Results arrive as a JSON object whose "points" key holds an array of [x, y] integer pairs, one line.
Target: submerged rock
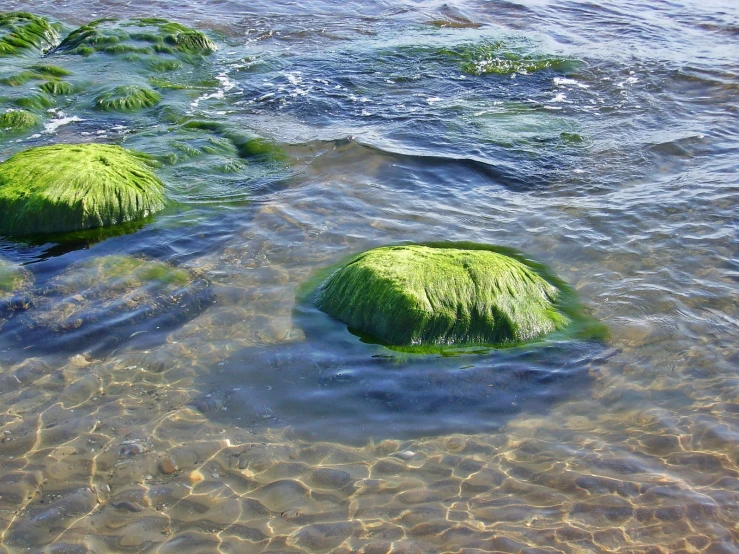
{"points": [[14, 284], [137, 36], [127, 98], [487, 58], [101, 302], [21, 31], [16, 121], [444, 295], [70, 187]]}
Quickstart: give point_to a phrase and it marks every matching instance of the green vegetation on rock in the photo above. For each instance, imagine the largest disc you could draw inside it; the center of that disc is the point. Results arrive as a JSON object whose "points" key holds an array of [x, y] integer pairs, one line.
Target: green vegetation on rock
{"points": [[18, 79], [121, 272], [460, 295], [127, 98], [15, 121], [12, 277], [57, 88], [35, 102], [48, 70], [140, 36], [68, 187], [488, 58], [20, 31]]}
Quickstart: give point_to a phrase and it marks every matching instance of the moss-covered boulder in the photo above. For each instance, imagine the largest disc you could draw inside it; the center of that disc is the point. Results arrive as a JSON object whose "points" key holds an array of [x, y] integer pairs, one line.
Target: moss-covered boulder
{"points": [[17, 121], [21, 32], [127, 98], [100, 302], [57, 88], [444, 295], [70, 187], [136, 36]]}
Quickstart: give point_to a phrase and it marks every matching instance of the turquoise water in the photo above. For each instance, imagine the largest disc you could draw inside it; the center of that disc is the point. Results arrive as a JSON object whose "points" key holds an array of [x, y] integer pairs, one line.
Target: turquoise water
{"points": [[598, 138]]}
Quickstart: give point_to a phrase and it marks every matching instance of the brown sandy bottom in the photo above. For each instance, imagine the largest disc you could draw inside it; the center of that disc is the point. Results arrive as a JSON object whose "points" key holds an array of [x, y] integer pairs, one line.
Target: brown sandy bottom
{"points": [[120, 456]]}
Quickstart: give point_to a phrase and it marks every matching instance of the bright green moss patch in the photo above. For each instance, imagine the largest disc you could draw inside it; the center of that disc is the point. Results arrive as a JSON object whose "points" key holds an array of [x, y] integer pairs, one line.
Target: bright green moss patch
{"points": [[57, 88], [122, 272], [141, 36], [18, 79], [48, 70], [68, 187], [127, 98], [20, 32], [15, 121], [458, 295]]}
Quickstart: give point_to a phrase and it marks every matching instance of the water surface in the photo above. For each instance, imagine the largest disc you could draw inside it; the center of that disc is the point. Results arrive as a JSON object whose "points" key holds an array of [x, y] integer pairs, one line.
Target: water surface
{"points": [[244, 421]]}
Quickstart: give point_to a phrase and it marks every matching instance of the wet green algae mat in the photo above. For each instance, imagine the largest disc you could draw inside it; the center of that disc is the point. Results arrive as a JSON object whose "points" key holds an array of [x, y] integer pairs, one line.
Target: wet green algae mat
{"points": [[56, 189], [424, 297]]}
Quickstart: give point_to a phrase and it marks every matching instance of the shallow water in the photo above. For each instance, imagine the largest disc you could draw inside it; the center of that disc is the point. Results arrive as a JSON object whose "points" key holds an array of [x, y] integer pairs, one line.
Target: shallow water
{"points": [[242, 420]]}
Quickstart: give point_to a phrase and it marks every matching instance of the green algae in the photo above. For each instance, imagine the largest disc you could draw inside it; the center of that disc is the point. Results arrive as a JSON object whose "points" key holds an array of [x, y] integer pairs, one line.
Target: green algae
{"points": [[19, 79], [494, 58], [12, 277], [247, 145], [48, 70], [57, 88], [98, 303], [447, 295], [21, 31], [127, 98], [122, 272], [144, 36], [35, 102], [162, 66], [15, 121], [66, 187]]}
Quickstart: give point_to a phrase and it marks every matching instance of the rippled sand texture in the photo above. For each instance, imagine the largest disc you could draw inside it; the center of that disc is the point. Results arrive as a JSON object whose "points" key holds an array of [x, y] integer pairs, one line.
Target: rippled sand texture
{"points": [[252, 424], [123, 458]]}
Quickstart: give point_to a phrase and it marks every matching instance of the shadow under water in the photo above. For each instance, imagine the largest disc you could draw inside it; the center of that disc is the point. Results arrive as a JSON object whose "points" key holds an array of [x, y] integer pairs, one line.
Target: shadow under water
{"points": [[335, 387]]}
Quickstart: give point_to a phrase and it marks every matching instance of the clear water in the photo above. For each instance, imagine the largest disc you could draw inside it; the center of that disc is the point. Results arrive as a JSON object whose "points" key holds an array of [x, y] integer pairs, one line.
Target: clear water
{"points": [[246, 421]]}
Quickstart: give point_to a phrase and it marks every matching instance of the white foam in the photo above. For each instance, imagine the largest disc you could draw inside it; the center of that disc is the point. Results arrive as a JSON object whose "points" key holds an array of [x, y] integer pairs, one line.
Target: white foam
{"points": [[561, 81]]}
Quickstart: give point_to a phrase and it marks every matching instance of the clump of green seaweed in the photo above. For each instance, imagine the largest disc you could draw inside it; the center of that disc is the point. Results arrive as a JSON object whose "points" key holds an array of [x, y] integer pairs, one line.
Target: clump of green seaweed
{"points": [[127, 98], [57, 88], [447, 295], [143, 36], [495, 58], [16, 121], [68, 187], [21, 32]]}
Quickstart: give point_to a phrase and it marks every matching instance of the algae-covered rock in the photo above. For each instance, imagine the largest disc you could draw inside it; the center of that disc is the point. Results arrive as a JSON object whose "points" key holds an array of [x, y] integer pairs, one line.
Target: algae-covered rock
{"points": [[14, 282], [137, 36], [35, 102], [21, 31], [69, 187], [102, 301], [493, 58], [16, 121], [127, 98], [57, 88], [443, 295]]}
